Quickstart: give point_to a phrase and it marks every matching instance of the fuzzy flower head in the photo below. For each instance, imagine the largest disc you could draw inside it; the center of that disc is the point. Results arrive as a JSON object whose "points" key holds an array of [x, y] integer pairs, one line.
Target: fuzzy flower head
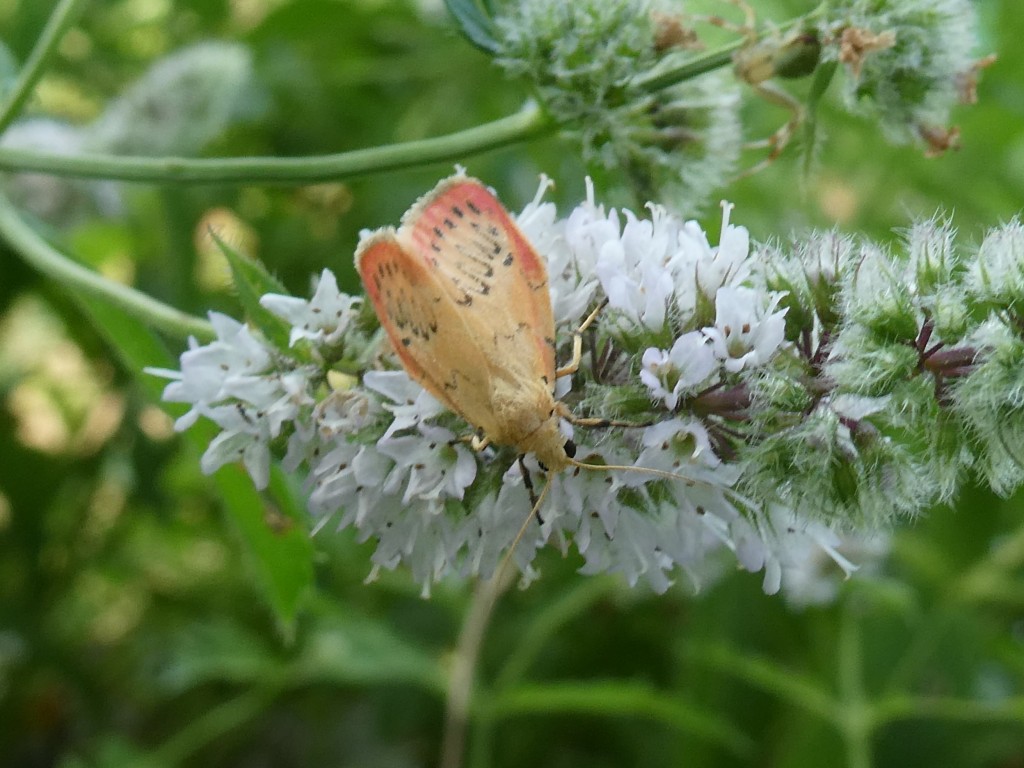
{"points": [[587, 61], [181, 103], [907, 61]]}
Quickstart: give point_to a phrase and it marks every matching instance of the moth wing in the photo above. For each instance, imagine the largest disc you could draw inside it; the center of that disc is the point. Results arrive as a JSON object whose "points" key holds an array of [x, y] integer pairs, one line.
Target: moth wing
{"points": [[489, 269], [427, 329]]}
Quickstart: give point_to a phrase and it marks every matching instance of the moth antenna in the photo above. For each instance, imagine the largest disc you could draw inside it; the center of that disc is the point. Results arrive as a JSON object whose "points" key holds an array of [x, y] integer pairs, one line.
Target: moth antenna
{"points": [[733, 494], [645, 470], [507, 559]]}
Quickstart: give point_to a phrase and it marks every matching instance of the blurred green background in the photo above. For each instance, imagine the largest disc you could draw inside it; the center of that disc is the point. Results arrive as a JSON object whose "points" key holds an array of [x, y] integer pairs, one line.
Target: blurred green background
{"points": [[150, 616]]}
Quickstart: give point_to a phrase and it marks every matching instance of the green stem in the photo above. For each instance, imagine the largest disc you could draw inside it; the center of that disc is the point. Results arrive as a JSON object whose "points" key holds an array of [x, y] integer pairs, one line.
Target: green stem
{"points": [[463, 669], [62, 18], [221, 719], [855, 718], [900, 708], [77, 279], [529, 122], [691, 68]]}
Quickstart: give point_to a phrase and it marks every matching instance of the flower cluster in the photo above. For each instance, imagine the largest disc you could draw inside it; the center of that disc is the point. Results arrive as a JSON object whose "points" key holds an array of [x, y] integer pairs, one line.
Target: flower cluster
{"points": [[684, 322], [766, 401], [626, 77], [909, 63]]}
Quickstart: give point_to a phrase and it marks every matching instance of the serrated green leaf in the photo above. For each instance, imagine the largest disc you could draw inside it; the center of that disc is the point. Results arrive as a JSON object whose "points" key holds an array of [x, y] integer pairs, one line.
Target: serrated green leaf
{"points": [[475, 21], [341, 647], [352, 649], [252, 279], [281, 553]]}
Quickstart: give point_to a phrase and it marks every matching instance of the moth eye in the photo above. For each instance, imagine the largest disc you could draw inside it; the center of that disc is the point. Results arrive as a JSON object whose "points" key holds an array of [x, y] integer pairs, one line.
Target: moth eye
{"points": [[570, 449]]}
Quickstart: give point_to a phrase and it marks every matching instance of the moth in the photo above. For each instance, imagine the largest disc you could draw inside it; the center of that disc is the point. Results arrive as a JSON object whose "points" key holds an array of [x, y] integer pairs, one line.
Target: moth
{"points": [[463, 297]]}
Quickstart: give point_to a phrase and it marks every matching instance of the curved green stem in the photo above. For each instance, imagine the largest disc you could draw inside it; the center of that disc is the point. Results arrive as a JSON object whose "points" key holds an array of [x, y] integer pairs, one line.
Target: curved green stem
{"points": [[217, 721], [618, 699], [62, 18], [691, 68], [76, 278], [529, 122]]}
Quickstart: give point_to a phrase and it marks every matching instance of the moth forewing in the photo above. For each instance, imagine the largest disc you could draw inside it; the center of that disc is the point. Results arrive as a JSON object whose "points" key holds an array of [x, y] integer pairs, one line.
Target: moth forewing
{"points": [[421, 322], [464, 299]]}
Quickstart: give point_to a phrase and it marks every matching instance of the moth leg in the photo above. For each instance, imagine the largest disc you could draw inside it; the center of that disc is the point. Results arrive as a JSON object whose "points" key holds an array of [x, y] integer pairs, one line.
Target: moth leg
{"points": [[528, 482], [779, 140], [577, 342], [479, 442], [595, 423]]}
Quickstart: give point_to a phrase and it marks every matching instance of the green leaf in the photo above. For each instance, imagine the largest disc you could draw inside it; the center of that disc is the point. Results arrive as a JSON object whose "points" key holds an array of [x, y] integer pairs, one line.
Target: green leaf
{"points": [[475, 22], [281, 554], [617, 699], [112, 751], [360, 650], [252, 280], [341, 647], [218, 650]]}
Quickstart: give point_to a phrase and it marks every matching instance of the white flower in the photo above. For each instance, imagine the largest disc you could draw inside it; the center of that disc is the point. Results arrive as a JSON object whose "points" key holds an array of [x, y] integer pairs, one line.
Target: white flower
{"points": [[792, 544], [431, 465], [209, 371], [338, 479], [242, 439], [233, 382], [410, 403], [634, 272], [679, 371], [747, 331], [702, 270], [321, 320]]}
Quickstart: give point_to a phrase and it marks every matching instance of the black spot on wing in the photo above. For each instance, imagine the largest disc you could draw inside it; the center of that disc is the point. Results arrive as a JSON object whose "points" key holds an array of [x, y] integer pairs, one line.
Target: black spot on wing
{"points": [[465, 255]]}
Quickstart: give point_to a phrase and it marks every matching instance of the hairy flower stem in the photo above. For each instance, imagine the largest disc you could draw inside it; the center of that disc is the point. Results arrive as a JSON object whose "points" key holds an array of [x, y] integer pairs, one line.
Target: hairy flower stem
{"points": [[528, 123], [460, 680]]}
